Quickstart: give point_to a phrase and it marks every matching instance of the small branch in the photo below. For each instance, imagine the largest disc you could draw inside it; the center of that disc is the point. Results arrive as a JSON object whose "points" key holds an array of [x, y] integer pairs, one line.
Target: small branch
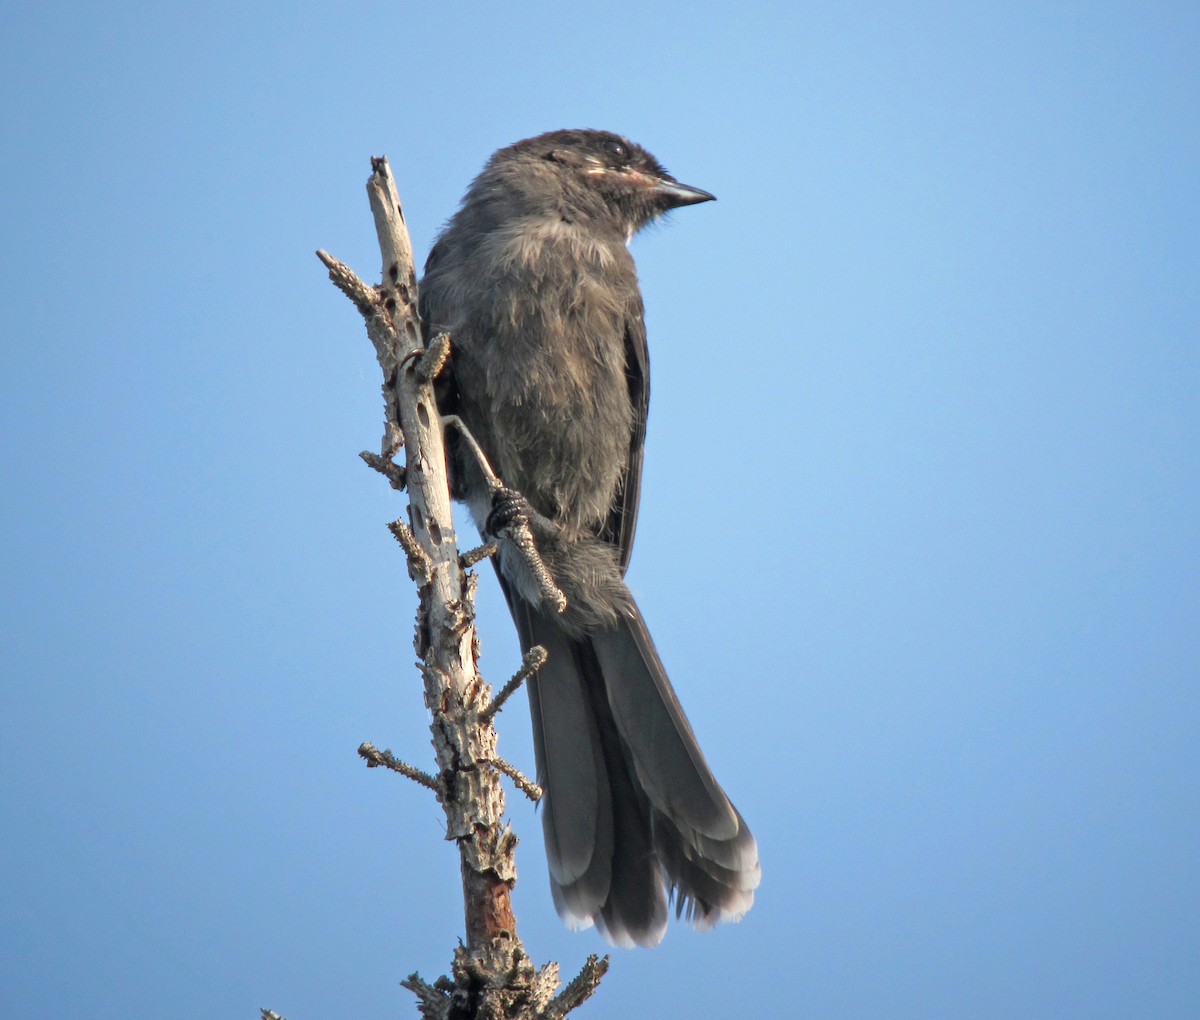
{"points": [[376, 758], [521, 537], [579, 989], [433, 1002], [429, 366], [390, 470], [418, 560], [348, 282], [473, 556], [521, 781], [393, 440], [534, 660]]}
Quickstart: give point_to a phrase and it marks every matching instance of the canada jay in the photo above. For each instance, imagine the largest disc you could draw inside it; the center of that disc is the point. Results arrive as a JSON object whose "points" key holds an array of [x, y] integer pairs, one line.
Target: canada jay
{"points": [[533, 280]]}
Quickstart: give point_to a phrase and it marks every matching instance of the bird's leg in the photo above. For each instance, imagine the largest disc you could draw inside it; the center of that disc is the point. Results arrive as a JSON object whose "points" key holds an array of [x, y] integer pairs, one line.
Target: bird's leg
{"points": [[509, 508], [511, 518], [460, 426]]}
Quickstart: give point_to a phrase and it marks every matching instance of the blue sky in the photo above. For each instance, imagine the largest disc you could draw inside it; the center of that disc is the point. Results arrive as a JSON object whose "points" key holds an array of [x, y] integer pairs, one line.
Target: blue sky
{"points": [[918, 539]]}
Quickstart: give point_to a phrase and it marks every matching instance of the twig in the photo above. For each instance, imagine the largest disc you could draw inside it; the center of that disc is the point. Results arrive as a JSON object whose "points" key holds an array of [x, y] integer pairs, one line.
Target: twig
{"points": [[521, 781], [429, 366], [473, 556], [376, 758], [434, 1002], [521, 537], [534, 660], [418, 559], [346, 280], [390, 470], [578, 988]]}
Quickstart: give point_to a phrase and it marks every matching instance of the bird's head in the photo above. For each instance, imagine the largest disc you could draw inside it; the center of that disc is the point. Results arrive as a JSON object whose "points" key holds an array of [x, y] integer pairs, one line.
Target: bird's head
{"points": [[596, 175]]}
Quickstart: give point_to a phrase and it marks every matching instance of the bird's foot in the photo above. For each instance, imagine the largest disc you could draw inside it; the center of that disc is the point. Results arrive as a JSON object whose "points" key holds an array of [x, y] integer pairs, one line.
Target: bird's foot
{"points": [[509, 509]]}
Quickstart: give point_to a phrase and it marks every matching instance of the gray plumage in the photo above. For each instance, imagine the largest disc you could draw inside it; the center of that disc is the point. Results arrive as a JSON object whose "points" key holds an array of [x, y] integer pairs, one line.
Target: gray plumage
{"points": [[534, 282]]}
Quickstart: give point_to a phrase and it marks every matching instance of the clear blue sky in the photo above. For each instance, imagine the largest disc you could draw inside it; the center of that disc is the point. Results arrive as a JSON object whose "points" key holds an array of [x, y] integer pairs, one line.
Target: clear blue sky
{"points": [[919, 536]]}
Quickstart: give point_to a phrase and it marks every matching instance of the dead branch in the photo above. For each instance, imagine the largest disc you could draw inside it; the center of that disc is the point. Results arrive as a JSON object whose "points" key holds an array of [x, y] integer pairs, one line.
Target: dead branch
{"points": [[534, 660]]}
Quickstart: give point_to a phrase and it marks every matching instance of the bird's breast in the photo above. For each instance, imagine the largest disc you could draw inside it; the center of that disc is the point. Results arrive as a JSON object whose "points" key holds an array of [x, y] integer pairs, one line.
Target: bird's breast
{"points": [[555, 373]]}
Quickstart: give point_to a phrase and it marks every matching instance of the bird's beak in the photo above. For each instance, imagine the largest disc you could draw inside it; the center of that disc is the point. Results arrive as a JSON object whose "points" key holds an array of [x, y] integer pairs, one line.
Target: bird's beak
{"points": [[673, 194]]}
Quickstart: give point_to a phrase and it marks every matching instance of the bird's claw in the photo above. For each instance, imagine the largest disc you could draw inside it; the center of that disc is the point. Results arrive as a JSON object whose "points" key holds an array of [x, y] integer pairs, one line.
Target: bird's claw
{"points": [[509, 509]]}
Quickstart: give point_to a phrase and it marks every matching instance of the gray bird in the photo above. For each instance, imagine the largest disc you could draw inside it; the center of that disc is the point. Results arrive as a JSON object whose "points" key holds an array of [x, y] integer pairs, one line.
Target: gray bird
{"points": [[533, 280]]}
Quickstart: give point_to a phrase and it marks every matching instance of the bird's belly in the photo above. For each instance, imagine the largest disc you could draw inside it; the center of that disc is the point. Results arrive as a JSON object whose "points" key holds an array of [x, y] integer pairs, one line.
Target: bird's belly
{"points": [[564, 438]]}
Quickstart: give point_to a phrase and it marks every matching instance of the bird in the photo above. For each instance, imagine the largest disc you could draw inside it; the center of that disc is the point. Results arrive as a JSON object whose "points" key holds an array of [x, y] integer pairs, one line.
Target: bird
{"points": [[533, 280]]}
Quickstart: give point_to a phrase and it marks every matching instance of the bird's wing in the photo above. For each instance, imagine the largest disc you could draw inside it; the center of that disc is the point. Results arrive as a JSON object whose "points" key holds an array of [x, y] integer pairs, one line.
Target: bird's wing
{"points": [[622, 518]]}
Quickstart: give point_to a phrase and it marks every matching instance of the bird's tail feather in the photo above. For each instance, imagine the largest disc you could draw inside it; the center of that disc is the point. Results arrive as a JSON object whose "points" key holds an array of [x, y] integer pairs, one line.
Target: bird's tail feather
{"points": [[630, 802]]}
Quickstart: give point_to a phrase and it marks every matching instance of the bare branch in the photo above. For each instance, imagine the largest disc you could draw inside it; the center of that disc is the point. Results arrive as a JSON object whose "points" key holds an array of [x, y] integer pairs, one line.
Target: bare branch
{"points": [[473, 556], [393, 472], [521, 537], [432, 1001], [376, 758], [433, 360], [418, 559], [579, 989], [521, 781], [347, 281], [534, 660]]}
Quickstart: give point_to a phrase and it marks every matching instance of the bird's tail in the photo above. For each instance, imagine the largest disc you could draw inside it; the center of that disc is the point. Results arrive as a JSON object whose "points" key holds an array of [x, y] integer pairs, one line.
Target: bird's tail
{"points": [[632, 811]]}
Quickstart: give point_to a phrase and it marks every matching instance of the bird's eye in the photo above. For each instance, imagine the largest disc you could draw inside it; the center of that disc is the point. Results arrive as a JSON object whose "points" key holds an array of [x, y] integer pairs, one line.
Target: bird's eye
{"points": [[617, 150]]}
